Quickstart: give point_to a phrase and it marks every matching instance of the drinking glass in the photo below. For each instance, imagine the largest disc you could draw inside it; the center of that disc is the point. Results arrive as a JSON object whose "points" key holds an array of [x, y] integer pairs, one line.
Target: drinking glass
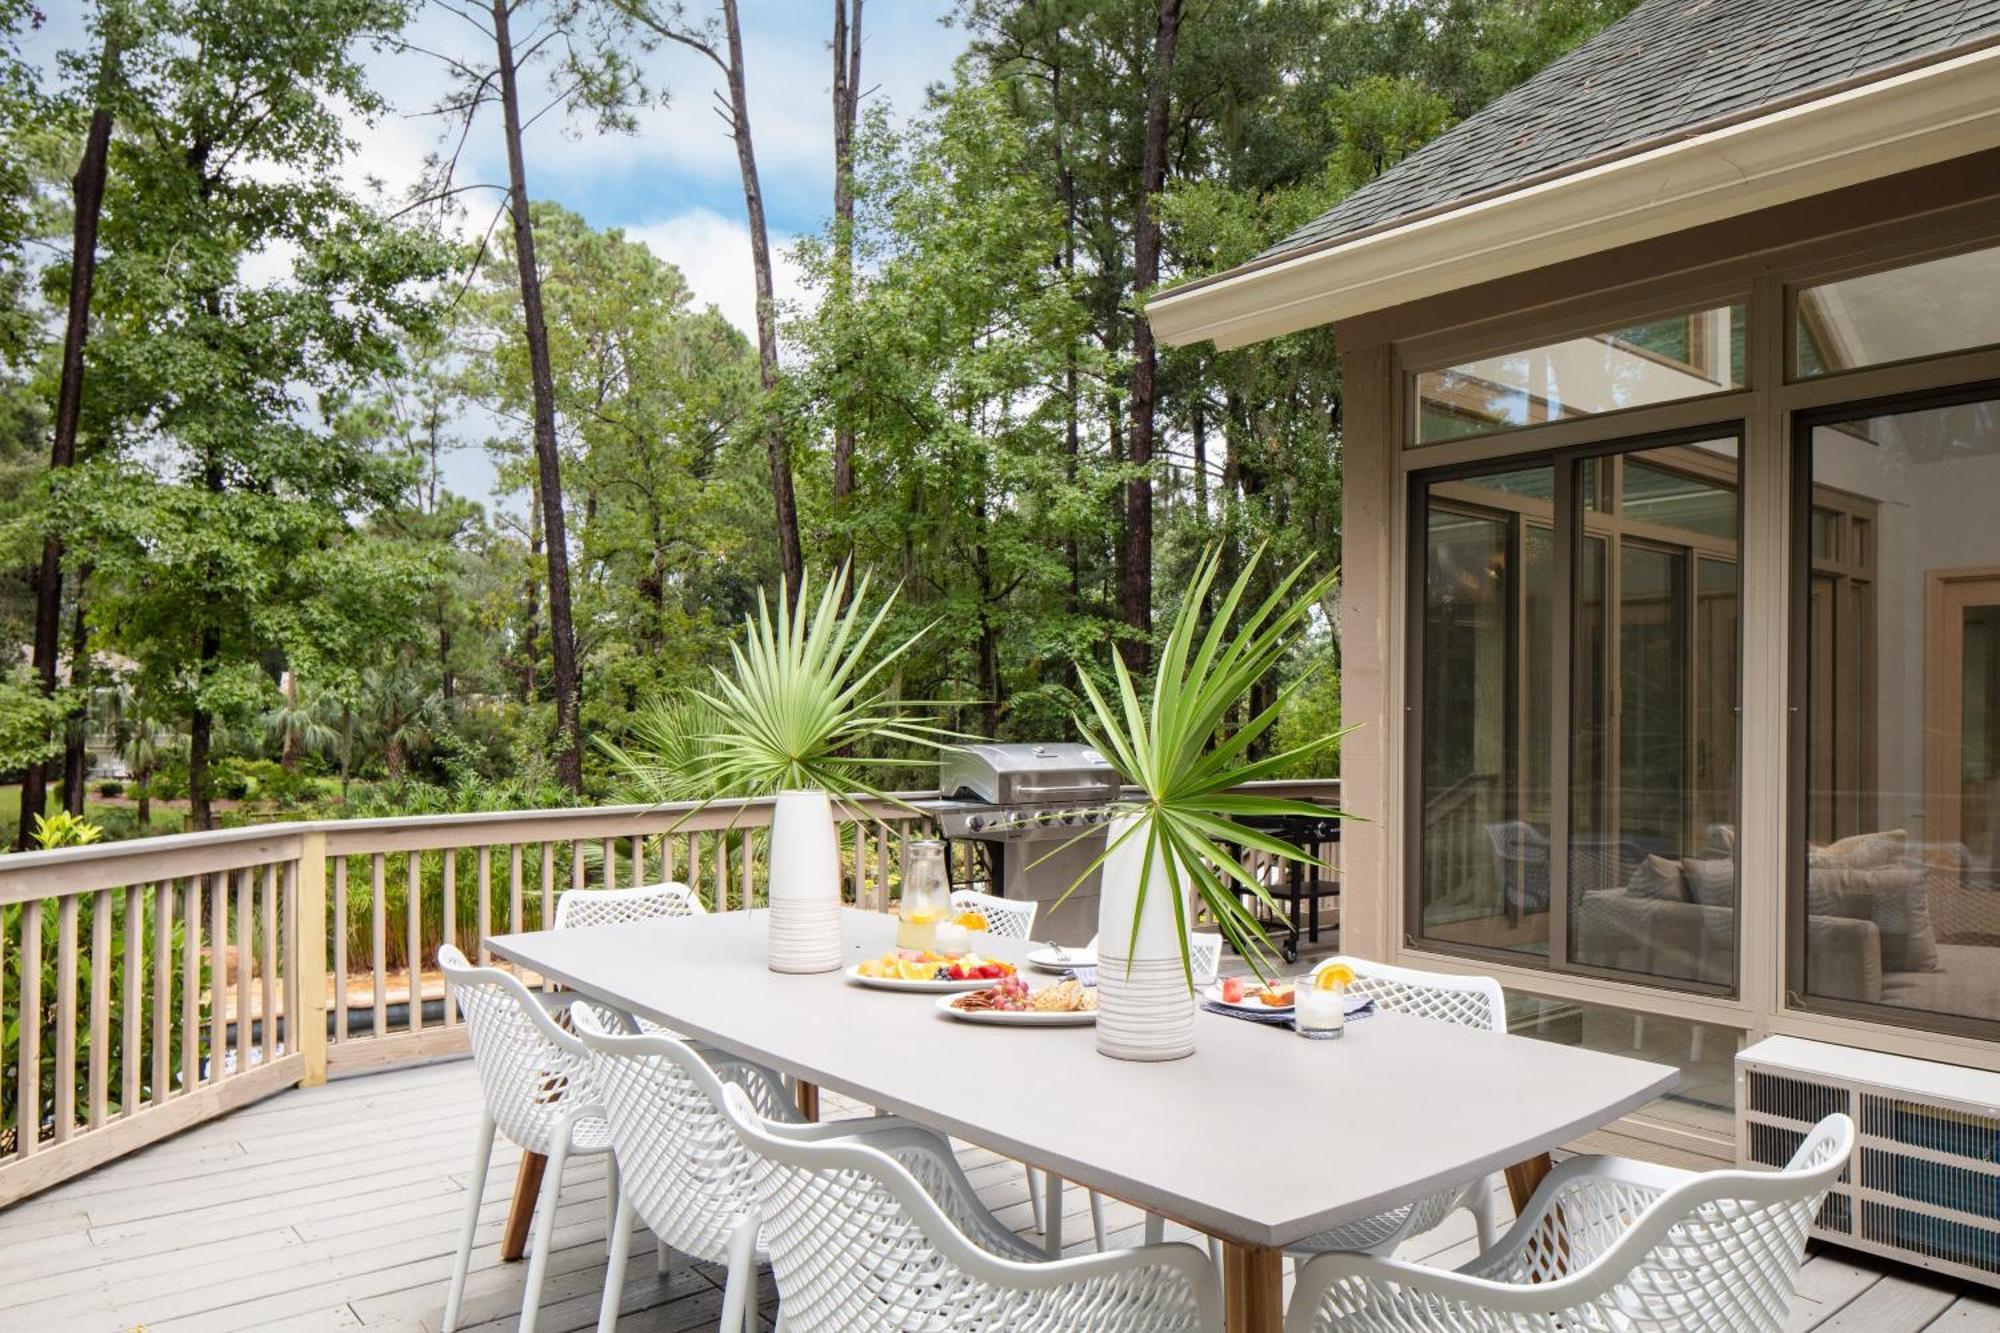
{"points": [[1319, 1011]]}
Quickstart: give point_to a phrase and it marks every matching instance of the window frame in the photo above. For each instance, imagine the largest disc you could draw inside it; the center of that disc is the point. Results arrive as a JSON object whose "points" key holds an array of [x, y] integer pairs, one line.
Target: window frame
{"points": [[1568, 537], [1798, 793]]}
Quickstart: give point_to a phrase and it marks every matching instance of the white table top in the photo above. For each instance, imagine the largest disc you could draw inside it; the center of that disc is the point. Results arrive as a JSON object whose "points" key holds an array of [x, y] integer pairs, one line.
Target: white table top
{"points": [[1260, 1137]]}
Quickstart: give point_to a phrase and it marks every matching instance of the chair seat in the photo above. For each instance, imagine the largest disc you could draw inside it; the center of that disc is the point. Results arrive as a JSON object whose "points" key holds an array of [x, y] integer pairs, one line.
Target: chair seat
{"points": [[591, 1134]]}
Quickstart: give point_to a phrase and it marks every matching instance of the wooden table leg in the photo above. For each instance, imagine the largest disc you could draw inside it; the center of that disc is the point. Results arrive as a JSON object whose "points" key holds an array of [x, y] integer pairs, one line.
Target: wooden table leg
{"points": [[521, 1214], [1253, 1288], [1524, 1178], [808, 1099]]}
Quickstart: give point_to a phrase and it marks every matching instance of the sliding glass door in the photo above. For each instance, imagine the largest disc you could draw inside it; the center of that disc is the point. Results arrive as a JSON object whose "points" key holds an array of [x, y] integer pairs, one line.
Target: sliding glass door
{"points": [[1578, 678]]}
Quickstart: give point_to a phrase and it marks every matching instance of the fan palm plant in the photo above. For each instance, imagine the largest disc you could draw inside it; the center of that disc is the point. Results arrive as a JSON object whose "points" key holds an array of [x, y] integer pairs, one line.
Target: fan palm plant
{"points": [[806, 705], [1191, 766]]}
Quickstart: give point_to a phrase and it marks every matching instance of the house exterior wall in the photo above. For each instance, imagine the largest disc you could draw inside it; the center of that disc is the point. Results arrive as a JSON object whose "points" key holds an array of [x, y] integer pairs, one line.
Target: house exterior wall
{"points": [[1752, 259]]}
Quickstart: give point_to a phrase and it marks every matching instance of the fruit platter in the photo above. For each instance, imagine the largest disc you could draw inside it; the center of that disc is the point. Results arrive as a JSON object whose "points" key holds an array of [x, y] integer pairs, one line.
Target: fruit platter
{"points": [[928, 971], [1247, 993], [1012, 1004]]}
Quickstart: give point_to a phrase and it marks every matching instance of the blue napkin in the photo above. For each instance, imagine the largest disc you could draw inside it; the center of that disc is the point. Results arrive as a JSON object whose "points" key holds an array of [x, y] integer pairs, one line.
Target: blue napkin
{"points": [[1356, 1009]]}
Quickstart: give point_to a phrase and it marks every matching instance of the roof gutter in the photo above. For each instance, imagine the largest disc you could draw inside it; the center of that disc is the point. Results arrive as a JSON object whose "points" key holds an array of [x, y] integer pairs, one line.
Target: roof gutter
{"points": [[1897, 123]]}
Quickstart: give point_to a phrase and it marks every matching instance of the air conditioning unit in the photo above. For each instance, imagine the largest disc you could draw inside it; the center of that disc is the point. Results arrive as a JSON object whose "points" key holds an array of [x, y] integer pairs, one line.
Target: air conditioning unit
{"points": [[1924, 1185]]}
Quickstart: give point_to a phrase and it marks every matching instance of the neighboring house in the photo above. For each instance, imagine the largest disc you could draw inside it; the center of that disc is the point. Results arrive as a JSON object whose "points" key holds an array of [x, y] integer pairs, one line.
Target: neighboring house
{"points": [[1671, 539]]}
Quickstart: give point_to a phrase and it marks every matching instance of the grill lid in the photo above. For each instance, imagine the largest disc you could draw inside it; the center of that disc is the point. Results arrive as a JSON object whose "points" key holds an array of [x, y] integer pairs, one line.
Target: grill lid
{"points": [[1016, 774]]}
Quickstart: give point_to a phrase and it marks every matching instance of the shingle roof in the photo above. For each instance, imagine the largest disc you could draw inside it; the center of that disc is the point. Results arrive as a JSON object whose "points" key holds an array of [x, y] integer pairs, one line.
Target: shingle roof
{"points": [[1667, 67]]}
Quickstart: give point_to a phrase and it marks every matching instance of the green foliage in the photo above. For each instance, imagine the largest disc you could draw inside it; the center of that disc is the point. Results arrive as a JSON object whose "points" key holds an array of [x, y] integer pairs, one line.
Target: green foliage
{"points": [[63, 829], [807, 706], [29, 722], [1190, 765]]}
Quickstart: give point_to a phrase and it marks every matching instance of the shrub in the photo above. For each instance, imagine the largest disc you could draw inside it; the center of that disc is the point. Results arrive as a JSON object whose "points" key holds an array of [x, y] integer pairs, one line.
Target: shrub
{"points": [[110, 789]]}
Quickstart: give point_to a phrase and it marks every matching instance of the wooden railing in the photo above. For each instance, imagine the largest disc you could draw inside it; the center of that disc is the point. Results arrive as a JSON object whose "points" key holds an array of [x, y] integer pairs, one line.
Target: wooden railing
{"points": [[152, 984]]}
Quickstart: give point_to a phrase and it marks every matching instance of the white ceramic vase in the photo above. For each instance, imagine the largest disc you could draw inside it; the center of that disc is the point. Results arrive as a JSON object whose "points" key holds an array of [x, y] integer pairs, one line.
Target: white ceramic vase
{"points": [[805, 885], [1145, 1008]]}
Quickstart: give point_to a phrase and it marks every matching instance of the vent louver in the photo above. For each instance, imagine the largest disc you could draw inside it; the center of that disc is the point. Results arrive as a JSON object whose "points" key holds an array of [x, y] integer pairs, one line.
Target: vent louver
{"points": [[1924, 1186]]}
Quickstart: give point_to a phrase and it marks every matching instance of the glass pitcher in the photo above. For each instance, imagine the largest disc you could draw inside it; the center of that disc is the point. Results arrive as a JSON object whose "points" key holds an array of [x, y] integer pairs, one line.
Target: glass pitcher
{"points": [[926, 897]]}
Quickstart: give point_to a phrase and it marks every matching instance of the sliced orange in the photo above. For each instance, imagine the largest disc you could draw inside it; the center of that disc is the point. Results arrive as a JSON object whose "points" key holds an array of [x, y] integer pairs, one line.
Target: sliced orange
{"points": [[972, 921], [1334, 974]]}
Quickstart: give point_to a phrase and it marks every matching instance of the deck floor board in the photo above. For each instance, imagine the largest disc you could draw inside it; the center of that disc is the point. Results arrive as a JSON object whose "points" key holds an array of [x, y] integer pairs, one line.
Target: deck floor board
{"points": [[338, 1208]]}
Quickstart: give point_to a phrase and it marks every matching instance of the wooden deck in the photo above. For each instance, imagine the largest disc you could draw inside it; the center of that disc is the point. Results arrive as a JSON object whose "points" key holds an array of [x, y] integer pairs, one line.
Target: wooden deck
{"points": [[338, 1207]]}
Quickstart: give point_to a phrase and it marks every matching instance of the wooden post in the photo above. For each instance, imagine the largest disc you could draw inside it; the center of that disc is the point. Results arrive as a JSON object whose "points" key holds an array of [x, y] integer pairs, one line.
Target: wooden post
{"points": [[1253, 1288], [310, 964], [808, 1094], [1524, 1178], [521, 1213]]}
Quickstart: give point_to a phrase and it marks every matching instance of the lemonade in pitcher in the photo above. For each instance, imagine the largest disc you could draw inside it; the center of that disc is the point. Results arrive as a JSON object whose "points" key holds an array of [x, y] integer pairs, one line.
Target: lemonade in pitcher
{"points": [[926, 898]]}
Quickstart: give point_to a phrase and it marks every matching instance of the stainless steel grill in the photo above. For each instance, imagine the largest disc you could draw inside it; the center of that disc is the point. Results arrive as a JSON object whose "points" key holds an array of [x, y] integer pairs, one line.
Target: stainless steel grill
{"points": [[1013, 796]]}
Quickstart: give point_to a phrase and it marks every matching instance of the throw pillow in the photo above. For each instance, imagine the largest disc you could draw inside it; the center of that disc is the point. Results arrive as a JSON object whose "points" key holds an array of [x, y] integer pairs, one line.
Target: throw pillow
{"points": [[1658, 879], [1893, 897], [1862, 850], [1710, 881]]}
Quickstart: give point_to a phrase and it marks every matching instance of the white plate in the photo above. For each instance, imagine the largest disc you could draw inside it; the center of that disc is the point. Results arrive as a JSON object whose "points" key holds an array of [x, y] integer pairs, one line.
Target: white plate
{"points": [[1249, 1004], [853, 974], [1018, 1018], [1043, 959]]}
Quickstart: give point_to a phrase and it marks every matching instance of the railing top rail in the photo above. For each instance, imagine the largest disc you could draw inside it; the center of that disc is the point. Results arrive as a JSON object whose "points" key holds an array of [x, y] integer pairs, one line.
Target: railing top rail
{"points": [[111, 864]]}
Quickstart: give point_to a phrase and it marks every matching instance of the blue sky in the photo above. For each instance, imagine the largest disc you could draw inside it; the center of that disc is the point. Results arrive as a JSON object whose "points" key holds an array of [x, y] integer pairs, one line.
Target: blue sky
{"points": [[674, 184]]}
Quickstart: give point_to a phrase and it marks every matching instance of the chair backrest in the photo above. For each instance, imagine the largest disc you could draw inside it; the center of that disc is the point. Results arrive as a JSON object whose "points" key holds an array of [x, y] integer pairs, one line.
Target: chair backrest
{"points": [[1006, 918], [1719, 1251], [679, 1161], [610, 907], [532, 1072], [1204, 955], [856, 1243], [1473, 1002]]}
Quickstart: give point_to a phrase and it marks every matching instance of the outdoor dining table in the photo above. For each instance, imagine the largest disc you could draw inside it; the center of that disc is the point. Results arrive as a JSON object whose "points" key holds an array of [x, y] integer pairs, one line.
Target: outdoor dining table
{"points": [[1397, 1108]]}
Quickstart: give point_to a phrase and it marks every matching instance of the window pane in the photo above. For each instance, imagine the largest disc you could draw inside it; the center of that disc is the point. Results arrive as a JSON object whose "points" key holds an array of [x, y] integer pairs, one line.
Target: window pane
{"points": [[1703, 1101], [1684, 356], [1652, 848], [1485, 765], [1943, 305], [1902, 855]]}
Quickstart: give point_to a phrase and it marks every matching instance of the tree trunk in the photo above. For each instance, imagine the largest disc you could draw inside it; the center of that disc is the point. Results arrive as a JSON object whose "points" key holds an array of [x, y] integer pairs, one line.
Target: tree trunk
{"points": [[1137, 592], [532, 589], [288, 755], [88, 190], [776, 447], [145, 795], [562, 639], [846, 105], [201, 730], [76, 736]]}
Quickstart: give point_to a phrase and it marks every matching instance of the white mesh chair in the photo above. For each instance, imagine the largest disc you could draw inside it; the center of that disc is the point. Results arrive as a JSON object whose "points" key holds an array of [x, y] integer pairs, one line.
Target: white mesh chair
{"points": [[684, 1172], [536, 1081], [858, 1244], [1006, 918], [1604, 1244], [1474, 1002], [611, 907]]}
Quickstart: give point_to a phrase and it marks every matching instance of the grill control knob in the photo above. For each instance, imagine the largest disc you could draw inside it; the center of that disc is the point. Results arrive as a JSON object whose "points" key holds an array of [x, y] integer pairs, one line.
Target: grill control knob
{"points": [[976, 823]]}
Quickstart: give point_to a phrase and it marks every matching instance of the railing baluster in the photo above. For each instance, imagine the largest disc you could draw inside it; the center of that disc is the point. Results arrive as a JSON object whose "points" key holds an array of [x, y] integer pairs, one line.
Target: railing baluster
{"points": [[379, 933], [340, 948], [450, 928], [514, 888], [414, 910], [28, 1081], [163, 985], [191, 989], [749, 869], [667, 858], [218, 972], [299, 1011], [694, 869], [267, 964], [244, 954], [485, 903], [65, 1088], [722, 870], [548, 885], [610, 865], [133, 1005], [100, 1007], [861, 895], [638, 860], [881, 864], [579, 878]]}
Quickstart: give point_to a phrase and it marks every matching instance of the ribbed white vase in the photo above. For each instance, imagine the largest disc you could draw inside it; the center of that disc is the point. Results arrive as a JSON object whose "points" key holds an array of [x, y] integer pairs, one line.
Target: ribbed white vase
{"points": [[1145, 1008], [805, 885]]}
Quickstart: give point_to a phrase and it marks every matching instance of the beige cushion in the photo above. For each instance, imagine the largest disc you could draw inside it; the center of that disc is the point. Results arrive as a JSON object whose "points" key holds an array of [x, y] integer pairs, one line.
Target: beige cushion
{"points": [[1967, 983], [1660, 879], [1711, 881], [1862, 850], [1892, 897]]}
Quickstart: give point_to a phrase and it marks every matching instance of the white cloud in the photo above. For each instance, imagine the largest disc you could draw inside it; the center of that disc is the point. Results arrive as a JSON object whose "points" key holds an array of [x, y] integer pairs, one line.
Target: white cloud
{"points": [[714, 253]]}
